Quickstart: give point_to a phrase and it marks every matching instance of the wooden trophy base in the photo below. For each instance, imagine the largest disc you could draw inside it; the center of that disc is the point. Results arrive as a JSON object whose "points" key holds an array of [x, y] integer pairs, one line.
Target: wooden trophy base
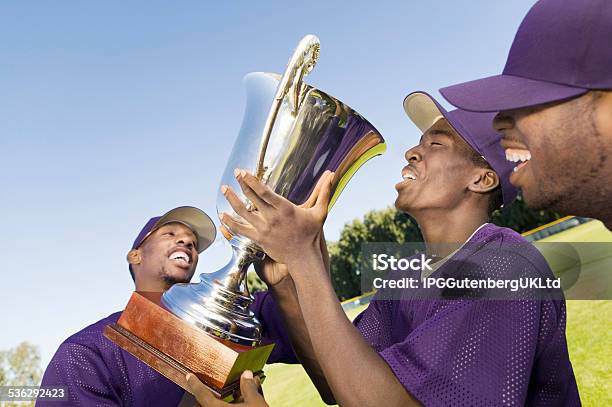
{"points": [[174, 347]]}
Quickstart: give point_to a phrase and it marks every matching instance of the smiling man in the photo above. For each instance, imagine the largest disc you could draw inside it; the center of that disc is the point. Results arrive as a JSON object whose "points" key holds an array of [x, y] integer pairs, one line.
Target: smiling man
{"points": [[166, 250], [94, 370], [411, 351], [554, 100]]}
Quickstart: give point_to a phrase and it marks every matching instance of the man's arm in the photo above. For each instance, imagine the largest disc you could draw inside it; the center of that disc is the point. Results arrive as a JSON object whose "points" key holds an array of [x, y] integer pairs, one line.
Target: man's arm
{"points": [[282, 288], [357, 374], [285, 297]]}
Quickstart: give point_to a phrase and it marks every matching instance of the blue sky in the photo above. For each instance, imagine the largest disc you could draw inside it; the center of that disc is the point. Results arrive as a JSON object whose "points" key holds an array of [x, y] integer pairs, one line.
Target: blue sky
{"points": [[111, 113]]}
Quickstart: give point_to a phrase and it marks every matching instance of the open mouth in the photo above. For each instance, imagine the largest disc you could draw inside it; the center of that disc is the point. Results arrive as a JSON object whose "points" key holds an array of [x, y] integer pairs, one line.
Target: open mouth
{"points": [[180, 257], [521, 156], [408, 173]]}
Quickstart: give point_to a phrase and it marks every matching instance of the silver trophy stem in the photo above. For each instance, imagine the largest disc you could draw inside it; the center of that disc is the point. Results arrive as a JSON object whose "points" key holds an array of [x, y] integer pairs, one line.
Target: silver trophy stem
{"points": [[219, 303]]}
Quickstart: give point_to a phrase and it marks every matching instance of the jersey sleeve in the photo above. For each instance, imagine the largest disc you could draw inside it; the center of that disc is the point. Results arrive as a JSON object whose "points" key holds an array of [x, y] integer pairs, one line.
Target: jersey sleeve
{"points": [[374, 323]]}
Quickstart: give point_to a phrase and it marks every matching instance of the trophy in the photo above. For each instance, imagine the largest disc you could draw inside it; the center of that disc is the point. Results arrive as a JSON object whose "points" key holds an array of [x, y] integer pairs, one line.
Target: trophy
{"points": [[291, 134]]}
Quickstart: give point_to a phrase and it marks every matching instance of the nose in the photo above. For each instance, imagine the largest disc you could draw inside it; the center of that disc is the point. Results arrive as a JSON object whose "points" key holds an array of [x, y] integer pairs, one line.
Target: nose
{"points": [[185, 240], [413, 155], [503, 122]]}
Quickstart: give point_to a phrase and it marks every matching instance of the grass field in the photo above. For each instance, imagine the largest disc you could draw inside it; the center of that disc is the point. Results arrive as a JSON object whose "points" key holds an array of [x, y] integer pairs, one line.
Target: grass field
{"points": [[589, 336]]}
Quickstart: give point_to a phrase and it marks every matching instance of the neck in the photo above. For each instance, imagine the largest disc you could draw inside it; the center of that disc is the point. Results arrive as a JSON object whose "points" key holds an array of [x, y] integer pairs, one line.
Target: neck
{"points": [[151, 285], [445, 230]]}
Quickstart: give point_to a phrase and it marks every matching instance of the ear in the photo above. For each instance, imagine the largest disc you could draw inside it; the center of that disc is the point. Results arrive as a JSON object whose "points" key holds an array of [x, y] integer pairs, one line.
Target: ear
{"points": [[485, 180], [133, 257]]}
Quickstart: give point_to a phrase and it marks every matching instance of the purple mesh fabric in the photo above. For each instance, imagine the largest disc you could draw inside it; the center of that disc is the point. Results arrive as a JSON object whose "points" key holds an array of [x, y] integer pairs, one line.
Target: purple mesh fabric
{"points": [[97, 372], [274, 330], [477, 352]]}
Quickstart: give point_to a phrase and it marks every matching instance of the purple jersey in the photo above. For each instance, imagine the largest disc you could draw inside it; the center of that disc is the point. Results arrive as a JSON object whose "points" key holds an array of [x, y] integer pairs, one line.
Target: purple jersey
{"points": [[477, 352], [97, 372]]}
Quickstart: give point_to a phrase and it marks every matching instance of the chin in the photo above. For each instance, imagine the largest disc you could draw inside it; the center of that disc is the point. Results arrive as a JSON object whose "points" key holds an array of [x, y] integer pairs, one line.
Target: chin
{"points": [[539, 200], [401, 206], [180, 277]]}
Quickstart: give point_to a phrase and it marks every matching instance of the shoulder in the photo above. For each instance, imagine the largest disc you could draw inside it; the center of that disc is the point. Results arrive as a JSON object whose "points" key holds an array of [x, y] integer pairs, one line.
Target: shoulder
{"points": [[506, 248], [95, 368], [491, 233], [505, 265], [93, 335], [85, 356], [89, 365], [88, 346]]}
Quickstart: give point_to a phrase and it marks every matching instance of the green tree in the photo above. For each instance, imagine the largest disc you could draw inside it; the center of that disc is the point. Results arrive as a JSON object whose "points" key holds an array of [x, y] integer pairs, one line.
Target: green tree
{"points": [[254, 282], [387, 225], [20, 366]]}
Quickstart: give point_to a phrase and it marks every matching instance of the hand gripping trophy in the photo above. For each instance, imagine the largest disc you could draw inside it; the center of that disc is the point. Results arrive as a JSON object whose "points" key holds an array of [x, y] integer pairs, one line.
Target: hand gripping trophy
{"points": [[291, 134]]}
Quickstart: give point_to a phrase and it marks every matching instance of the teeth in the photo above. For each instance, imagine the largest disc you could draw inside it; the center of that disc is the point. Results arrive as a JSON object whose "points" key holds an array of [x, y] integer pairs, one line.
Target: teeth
{"points": [[178, 255], [515, 155]]}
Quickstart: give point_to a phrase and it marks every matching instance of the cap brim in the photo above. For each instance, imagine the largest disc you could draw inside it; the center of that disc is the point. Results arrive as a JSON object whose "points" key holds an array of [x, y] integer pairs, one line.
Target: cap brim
{"points": [[424, 111], [506, 92], [195, 219]]}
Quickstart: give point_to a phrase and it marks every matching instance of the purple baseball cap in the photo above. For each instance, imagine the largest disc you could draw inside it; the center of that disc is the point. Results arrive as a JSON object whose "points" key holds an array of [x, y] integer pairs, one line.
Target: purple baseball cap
{"points": [[561, 50], [474, 128], [195, 219]]}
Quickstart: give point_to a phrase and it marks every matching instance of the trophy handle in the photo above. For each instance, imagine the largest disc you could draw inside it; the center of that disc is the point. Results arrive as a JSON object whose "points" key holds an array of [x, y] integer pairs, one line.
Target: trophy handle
{"points": [[300, 64]]}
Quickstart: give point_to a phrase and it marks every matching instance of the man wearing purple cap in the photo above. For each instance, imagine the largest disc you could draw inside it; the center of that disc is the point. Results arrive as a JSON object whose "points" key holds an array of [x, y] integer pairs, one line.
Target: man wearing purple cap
{"points": [[95, 371], [554, 100], [436, 352]]}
